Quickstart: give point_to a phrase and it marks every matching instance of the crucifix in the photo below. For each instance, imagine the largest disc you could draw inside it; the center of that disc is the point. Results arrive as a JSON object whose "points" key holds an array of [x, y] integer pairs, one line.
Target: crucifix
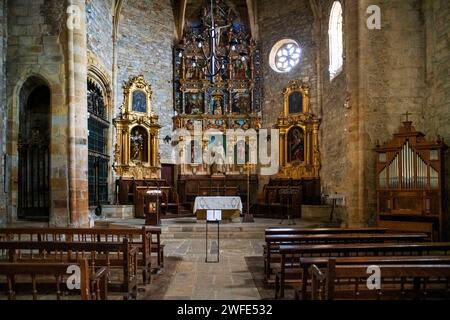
{"points": [[407, 114]]}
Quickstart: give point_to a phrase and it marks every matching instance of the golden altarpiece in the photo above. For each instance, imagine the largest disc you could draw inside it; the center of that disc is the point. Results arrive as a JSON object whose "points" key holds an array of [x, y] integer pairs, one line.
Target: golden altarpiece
{"points": [[410, 182], [299, 135], [136, 158], [297, 181], [230, 99]]}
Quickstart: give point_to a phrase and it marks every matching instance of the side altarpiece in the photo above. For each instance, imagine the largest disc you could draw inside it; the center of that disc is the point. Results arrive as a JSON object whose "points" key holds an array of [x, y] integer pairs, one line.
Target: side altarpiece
{"points": [[299, 135], [137, 133]]}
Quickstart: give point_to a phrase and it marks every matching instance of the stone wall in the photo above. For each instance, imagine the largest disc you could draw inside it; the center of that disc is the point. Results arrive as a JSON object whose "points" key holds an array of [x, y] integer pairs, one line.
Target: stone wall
{"points": [[383, 77], [334, 112], [293, 20], [393, 80], [3, 35], [437, 90], [100, 31], [145, 46], [35, 37]]}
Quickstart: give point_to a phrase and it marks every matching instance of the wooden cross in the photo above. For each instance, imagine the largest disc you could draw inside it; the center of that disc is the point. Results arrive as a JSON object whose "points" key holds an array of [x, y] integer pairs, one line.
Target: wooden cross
{"points": [[407, 114]]}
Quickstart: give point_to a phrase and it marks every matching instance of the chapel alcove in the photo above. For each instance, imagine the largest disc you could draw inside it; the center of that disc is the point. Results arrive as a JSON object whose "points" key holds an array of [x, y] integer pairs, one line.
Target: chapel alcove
{"points": [[34, 151]]}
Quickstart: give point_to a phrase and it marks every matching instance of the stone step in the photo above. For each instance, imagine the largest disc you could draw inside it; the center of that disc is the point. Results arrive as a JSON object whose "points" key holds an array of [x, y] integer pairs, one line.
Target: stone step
{"points": [[320, 213], [118, 211], [212, 234]]}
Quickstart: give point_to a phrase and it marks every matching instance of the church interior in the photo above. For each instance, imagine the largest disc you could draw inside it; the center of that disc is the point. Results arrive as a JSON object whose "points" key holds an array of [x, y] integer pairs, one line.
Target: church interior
{"points": [[224, 149]]}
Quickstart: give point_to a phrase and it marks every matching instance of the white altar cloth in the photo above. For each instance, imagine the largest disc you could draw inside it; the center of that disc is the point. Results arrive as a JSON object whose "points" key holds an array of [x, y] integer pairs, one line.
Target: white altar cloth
{"points": [[218, 203]]}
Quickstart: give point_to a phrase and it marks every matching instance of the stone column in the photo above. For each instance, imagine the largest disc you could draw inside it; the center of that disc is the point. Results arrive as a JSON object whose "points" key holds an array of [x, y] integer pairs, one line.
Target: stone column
{"points": [[3, 195], [77, 106]]}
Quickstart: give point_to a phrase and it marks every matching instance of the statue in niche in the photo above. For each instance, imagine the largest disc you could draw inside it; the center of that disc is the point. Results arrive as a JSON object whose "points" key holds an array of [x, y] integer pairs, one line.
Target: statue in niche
{"points": [[137, 144], [116, 153], [218, 153], [217, 106]]}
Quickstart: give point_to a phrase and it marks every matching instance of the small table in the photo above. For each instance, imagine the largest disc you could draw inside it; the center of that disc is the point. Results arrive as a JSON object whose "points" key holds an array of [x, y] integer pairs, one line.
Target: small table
{"points": [[231, 207]]}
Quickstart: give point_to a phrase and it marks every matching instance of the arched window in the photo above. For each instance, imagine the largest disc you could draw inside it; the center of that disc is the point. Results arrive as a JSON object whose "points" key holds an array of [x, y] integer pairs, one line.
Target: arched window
{"points": [[98, 126], [336, 46]]}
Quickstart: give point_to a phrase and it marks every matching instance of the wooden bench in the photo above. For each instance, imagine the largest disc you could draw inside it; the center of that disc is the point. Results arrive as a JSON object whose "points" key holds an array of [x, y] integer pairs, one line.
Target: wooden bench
{"points": [[148, 240], [275, 231], [291, 254], [93, 284], [109, 254], [274, 241], [322, 263], [405, 281]]}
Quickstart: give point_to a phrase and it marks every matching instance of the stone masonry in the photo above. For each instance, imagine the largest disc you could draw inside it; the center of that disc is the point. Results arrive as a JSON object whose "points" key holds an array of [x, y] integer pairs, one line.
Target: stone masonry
{"points": [[3, 26], [145, 42], [100, 30]]}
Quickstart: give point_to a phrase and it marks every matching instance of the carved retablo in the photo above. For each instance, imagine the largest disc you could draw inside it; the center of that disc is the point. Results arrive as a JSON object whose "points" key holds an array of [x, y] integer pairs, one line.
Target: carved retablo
{"points": [[137, 130], [299, 135]]}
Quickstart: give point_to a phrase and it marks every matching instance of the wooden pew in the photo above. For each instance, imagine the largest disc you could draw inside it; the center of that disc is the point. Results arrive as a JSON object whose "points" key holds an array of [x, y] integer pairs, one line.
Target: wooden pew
{"points": [[148, 239], [413, 281], [93, 284], [109, 254], [275, 231], [299, 231], [322, 263], [273, 242], [291, 254]]}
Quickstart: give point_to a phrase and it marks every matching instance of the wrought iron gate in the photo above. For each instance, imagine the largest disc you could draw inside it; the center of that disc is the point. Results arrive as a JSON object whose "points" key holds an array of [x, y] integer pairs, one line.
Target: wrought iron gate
{"points": [[34, 179]]}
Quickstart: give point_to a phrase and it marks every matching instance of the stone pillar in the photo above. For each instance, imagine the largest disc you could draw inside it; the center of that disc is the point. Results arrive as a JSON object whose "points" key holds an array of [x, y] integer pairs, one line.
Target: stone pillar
{"points": [[3, 195], [77, 105]]}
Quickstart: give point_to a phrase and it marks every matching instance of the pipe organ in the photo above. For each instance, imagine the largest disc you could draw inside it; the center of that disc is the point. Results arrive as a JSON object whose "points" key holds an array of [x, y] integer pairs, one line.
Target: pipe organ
{"points": [[409, 183]]}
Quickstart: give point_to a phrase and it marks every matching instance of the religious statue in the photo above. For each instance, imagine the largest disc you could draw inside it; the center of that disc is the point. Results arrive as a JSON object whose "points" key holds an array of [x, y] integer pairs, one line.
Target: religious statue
{"points": [[218, 165], [137, 143], [217, 107], [116, 153]]}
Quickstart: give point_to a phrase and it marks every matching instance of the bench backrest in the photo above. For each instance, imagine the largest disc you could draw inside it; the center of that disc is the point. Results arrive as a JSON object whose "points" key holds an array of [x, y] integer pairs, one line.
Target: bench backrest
{"points": [[97, 253], [274, 231], [372, 249], [92, 284], [401, 281], [343, 238]]}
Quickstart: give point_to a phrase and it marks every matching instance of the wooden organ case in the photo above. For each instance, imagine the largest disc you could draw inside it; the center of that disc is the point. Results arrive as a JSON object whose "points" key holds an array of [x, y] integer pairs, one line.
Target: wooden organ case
{"points": [[409, 183]]}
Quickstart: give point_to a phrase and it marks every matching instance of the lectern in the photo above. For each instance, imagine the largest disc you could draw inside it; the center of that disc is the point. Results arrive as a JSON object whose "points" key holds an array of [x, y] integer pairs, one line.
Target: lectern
{"points": [[213, 217], [153, 207]]}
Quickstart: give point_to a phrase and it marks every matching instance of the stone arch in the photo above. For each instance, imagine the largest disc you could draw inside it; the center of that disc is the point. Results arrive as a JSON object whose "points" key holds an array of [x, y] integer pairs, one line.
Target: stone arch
{"points": [[23, 89], [34, 159]]}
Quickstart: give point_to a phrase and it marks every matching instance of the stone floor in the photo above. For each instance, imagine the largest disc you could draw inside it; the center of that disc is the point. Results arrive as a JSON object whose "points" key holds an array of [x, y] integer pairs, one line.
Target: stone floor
{"points": [[238, 275]]}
